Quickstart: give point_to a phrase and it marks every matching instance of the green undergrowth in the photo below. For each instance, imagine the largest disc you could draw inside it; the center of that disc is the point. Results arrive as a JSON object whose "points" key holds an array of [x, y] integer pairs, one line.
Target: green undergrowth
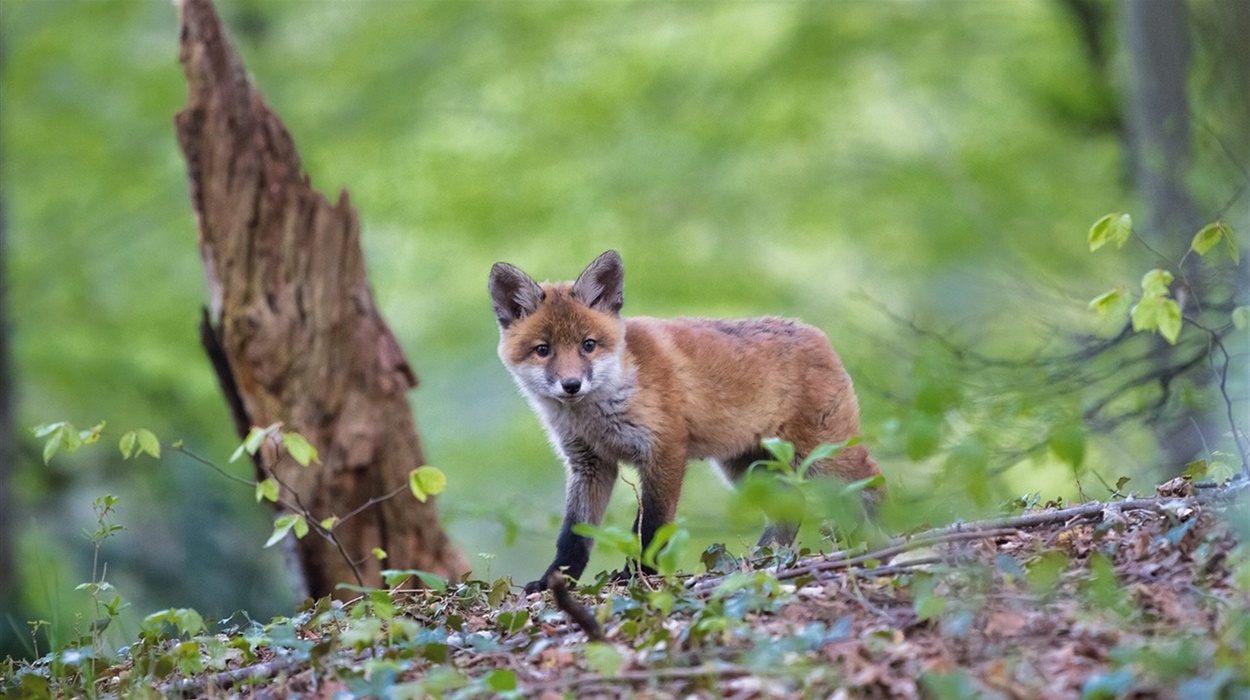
{"points": [[1148, 599]]}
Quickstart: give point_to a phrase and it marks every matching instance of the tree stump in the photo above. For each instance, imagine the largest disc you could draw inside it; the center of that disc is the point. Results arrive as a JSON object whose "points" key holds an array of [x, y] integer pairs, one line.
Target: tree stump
{"points": [[292, 328]]}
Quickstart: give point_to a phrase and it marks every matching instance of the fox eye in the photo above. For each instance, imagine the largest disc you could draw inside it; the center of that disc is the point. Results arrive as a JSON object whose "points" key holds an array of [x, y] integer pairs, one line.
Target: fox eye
{"points": [[542, 350], [589, 345]]}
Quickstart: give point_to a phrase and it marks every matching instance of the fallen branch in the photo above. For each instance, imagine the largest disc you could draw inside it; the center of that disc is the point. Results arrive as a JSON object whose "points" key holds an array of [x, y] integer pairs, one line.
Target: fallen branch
{"points": [[989, 529], [643, 676]]}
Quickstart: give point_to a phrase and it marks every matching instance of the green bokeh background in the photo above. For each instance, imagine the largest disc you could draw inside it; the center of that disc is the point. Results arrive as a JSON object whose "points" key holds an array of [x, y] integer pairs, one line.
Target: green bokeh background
{"points": [[812, 159]]}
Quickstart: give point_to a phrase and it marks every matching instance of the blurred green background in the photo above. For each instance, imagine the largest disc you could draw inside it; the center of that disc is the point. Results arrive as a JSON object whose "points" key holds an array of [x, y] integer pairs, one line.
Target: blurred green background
{"points": [[845, 163]]}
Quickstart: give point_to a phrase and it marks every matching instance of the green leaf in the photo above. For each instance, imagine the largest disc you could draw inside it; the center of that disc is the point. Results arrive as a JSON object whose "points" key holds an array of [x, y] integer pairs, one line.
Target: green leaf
{"points": [[92, 435], [513, 620], [623, 541], [1207, 238], [781, 450], [255, 438], [1195, 470], [923, 433], [434, 582], [281, 526], [46, 429], [1170, 321], [1045, 570], [926, 602], [501, 681], [1212, 235], [824, 451], [330, 522], [127, 444], [301, 527], [50, 447], [603, 658], [658, 540], [936, 396], [1156, 282], [1067, 442], [1241, 317], [377, 552], [300, 449], [268, 490], [1112, 228], [426, 481], [1110, 302], [148, 443], [1145, 314]]}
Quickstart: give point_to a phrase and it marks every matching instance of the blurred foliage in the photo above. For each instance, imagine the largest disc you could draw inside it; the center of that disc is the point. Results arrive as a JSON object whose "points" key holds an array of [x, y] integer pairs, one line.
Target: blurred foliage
{"points": [[864, 166]]}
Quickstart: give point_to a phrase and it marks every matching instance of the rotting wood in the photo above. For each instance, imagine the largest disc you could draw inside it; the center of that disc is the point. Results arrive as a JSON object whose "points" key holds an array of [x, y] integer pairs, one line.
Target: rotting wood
{"points": [[292, 328]]}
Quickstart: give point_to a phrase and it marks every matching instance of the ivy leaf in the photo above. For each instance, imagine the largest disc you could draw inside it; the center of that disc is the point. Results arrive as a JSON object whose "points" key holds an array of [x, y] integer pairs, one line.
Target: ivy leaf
{"points": [[268, 490], [300, 449], [1112, 228], [426, 481], [148, 443], [127, 444]]}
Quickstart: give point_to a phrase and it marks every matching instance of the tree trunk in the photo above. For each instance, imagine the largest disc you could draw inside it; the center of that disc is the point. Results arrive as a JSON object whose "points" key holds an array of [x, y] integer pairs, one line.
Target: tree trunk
{"points": [[8, 458], [1160, 154], [1157, 33], [292, 328]]}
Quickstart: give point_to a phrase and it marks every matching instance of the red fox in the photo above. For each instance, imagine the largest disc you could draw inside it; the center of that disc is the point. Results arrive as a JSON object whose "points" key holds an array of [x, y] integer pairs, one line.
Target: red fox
{"points": [[658, 393]]}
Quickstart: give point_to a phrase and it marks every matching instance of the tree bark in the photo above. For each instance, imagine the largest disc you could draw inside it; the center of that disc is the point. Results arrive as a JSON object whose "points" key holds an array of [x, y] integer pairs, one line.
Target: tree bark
{"points": [[292, 328], [1157, 34], [8, 455]]}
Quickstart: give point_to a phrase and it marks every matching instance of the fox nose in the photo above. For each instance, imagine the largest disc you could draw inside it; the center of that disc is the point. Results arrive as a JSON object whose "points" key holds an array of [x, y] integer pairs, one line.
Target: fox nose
{"points": [[571, 386]]}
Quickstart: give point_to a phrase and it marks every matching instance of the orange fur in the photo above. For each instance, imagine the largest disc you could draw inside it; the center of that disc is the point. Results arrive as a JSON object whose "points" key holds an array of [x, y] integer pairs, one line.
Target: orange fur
{"points": [[658, 393]]}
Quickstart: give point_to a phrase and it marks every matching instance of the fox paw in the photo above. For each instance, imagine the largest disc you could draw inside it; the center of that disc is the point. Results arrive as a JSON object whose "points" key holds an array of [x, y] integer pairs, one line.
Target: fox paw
{"points": [[536, 586]]}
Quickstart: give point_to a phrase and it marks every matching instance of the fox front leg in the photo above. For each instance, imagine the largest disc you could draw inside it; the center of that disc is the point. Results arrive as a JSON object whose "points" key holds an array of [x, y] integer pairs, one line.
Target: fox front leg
{"points": [[590, 480]]}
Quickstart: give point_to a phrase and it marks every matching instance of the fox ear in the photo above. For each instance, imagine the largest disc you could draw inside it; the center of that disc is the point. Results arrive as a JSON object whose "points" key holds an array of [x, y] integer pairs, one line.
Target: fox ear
{"points": [[513, 293], [601, 286]]}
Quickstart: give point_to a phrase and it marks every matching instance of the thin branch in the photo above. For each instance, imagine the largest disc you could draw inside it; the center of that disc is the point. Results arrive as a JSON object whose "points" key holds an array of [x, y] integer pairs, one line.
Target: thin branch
{"points": [[575, 610], [985, 529]]}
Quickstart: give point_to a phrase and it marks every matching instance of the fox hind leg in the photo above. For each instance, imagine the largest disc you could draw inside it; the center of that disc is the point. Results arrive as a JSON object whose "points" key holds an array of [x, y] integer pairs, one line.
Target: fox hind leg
{"points": [[778, 534]]}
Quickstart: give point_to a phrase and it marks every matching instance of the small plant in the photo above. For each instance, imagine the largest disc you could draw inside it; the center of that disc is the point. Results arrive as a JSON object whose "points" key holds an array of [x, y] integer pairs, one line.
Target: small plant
{"points": [[1156, 309], [782, 489]]}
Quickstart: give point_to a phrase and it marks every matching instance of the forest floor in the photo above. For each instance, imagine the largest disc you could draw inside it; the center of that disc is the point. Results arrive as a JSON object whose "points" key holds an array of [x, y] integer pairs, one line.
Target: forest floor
{"points": [[1134, 598]]}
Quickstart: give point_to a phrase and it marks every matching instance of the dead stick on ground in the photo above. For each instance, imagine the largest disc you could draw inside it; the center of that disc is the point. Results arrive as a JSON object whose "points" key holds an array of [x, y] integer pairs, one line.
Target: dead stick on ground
{"points": [[984, 529], [575, 610]]}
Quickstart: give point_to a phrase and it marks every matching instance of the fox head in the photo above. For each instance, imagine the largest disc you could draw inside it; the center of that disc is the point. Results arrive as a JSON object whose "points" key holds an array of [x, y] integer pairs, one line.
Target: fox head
{"points": [[562, 341]]}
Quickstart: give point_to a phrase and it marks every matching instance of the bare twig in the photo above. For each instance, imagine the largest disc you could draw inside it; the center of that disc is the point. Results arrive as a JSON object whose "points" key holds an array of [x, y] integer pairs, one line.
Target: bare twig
{"points": [[575, 610]]}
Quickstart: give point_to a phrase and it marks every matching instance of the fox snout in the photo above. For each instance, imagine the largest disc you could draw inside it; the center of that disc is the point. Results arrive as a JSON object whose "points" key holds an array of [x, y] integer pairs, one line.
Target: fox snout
{"points": [[571, 386]]}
